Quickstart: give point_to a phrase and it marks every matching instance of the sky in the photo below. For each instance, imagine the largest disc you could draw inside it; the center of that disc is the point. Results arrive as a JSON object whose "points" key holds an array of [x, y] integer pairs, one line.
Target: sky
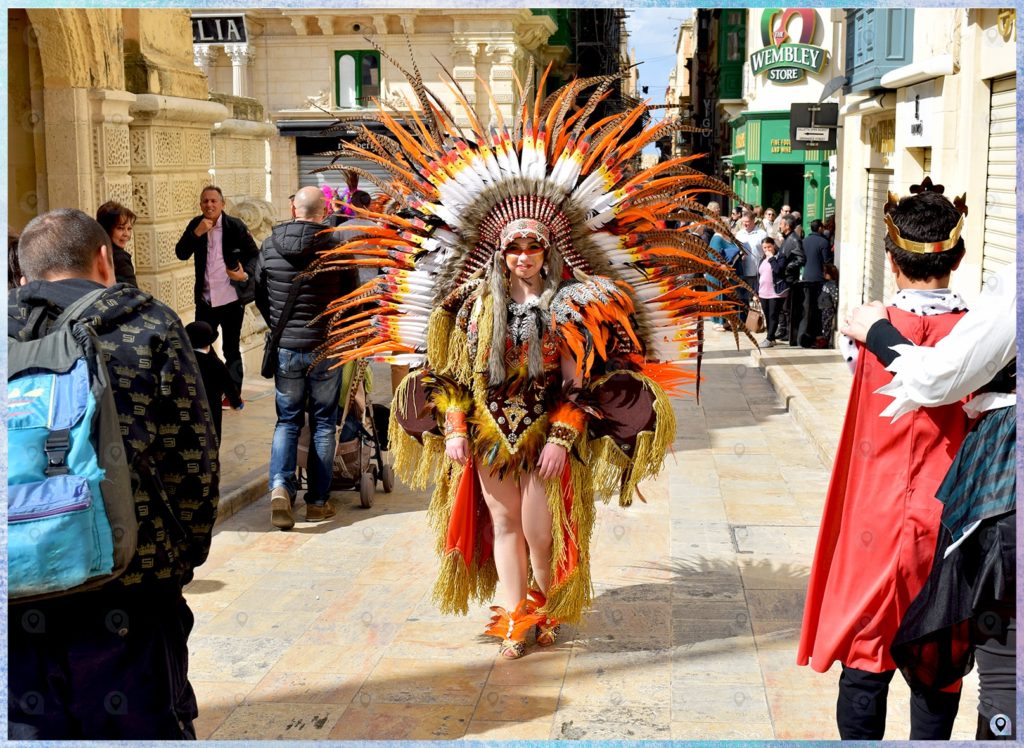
{"points": [[652, 37]]}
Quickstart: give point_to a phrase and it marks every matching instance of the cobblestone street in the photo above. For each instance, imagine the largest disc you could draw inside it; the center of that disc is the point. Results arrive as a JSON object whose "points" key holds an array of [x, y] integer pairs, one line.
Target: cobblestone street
{"points": [[328, 631]]}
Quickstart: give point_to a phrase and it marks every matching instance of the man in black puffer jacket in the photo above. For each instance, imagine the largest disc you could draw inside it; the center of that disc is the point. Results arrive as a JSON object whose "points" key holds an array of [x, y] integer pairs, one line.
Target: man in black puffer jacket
{"points": [[285, 254]]}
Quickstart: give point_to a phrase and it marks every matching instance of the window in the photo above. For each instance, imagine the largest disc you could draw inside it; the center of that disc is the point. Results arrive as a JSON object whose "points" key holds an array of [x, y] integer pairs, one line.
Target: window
{"points": [[357, 78], [877, 41]]}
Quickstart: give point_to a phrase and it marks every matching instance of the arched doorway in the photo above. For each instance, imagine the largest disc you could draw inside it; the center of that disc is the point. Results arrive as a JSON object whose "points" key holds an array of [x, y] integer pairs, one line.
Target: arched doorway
{"points": [[26, 155]]}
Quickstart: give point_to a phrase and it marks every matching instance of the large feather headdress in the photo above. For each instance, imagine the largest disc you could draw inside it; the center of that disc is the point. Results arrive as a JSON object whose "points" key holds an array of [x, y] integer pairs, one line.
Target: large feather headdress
{"points": [[633, 284]]}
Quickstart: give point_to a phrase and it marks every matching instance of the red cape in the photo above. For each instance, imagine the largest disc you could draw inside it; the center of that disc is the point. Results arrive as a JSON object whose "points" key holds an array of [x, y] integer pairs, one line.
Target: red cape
{"points": [[881, 517]]}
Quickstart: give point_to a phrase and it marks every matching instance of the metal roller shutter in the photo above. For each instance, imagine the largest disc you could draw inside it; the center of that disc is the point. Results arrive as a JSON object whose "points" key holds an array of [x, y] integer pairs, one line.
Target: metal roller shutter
{"points": [[336, 178], [1000, 238], [877, 280]]}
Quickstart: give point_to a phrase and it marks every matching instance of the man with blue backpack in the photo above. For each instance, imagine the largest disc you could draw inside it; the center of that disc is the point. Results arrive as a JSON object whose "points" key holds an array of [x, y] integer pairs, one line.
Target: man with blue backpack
{"points": [[112, 495]]}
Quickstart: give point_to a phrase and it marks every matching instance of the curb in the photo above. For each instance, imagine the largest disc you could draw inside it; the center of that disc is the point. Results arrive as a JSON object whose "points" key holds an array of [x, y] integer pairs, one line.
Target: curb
{"points": [[797, 405], [253, 487]]}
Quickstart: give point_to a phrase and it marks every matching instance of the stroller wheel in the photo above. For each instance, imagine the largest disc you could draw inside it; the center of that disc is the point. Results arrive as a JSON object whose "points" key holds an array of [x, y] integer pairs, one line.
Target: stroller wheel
{"points": [[388, 479], [367, 488]]}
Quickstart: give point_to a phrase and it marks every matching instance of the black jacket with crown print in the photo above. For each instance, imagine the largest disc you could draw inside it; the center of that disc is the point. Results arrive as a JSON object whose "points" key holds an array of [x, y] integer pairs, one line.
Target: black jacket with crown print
{"points": [[165, 419]]}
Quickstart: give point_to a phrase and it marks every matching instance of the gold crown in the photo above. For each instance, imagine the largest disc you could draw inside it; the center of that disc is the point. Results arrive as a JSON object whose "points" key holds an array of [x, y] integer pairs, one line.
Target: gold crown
{"points": [[960, 203]]}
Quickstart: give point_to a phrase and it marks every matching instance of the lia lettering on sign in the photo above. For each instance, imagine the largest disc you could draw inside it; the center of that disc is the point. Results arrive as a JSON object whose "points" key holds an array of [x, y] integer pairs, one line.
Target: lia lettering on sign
{"points": [[219, 30]]}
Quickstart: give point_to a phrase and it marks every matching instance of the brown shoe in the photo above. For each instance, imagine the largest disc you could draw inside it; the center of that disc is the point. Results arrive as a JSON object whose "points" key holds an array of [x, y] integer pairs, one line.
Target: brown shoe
{"points": [[319, 512], [281, 509]]}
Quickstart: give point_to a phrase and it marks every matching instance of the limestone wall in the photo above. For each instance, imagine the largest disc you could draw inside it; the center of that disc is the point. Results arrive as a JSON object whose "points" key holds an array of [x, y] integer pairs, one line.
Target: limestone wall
{"points": [[107, 104], [171, 154]]}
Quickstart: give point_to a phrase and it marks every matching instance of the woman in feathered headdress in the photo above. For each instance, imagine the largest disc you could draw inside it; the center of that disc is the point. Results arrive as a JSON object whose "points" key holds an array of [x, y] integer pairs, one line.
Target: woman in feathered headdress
{"points": [[532, 278]]}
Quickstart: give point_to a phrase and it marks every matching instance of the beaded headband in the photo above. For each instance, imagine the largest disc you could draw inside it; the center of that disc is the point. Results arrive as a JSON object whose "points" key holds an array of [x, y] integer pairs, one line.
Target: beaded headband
{"points": [[524, 228], [960, 203]]}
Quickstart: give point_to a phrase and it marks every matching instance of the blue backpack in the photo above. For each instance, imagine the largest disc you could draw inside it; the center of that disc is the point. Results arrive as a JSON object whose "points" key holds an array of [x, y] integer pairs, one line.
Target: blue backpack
{"points": [[71, 523]]}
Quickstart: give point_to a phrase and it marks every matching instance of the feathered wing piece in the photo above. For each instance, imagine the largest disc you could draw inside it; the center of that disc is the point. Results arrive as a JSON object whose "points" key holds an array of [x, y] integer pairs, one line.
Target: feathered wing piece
{"points": [[635, 289]]}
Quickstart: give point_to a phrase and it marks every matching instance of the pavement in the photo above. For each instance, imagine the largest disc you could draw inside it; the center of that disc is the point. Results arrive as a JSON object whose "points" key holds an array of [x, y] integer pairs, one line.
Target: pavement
{"points": [[328, 631]]}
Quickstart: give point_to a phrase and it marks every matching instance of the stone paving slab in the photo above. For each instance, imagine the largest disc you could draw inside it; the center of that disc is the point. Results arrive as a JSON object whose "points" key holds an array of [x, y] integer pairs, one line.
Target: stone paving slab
{"points": [[328, 631]]}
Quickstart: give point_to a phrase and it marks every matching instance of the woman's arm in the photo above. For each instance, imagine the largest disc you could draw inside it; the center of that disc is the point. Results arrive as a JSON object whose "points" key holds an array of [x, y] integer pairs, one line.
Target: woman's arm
{"points": [[566, 423]]}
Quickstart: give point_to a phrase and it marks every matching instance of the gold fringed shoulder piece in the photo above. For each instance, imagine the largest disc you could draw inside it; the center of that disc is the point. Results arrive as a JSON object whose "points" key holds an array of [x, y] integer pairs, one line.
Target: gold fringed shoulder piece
{"points": [[485, 323], [614, 471], [439, 332]]}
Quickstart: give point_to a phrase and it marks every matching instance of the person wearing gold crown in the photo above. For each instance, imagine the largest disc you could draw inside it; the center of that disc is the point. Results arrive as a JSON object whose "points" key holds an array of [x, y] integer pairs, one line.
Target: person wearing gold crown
{"points": [[531, 278], [881, 517]]}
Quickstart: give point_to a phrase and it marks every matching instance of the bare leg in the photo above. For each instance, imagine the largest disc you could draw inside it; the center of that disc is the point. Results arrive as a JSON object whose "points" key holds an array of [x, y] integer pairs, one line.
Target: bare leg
{"points": [[506, 507], [537, 528]]}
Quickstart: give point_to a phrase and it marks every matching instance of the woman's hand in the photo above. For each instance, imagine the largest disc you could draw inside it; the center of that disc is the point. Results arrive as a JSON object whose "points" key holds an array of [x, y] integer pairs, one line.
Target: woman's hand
{"points": [[552, 461], [862, 318], [457, 449]]}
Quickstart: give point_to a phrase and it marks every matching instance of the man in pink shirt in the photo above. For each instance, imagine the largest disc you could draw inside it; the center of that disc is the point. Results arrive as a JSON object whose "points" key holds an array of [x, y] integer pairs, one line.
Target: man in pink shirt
{"points": [[225, 273]]}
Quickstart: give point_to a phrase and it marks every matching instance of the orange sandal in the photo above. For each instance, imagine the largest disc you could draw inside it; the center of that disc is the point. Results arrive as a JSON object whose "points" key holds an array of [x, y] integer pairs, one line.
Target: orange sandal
{"points": [[547, 630], [547, 627], [511, 628]]}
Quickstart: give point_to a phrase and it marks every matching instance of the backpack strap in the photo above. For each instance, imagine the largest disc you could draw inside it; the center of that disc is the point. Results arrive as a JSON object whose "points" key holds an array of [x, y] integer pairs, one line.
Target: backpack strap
{"points": [[58, 442], [73, 311]]}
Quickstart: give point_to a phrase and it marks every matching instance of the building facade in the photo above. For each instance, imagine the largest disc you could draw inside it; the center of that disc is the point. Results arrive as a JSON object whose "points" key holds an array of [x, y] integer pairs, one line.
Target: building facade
{"points": [[929, 92], [106, 104], [680, 85], [312, 69], [785, 57]]}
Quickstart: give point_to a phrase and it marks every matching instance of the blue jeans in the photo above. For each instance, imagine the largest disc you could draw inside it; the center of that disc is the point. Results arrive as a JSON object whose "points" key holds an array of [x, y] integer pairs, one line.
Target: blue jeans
{"points": [[712, 285], [295, 388]]}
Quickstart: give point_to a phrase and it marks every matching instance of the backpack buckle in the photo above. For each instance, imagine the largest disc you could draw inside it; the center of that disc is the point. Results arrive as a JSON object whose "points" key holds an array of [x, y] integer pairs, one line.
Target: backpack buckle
{"points": [[56, 448]]}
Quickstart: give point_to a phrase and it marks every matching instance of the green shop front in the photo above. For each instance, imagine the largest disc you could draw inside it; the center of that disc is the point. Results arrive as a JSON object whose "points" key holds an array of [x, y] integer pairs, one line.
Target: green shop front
{"points": [[766, 170]]}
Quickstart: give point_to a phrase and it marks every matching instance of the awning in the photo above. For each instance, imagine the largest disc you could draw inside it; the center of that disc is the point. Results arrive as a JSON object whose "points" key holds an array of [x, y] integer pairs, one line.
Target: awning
{"points": [[315, 128]]}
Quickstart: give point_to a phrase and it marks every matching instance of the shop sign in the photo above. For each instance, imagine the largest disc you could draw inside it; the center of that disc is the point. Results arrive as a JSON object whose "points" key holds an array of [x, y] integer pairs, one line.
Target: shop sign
{"points": [[782, 60], [741, 141], [781, 145], [815, 134], [883, 137], [218, 29]]}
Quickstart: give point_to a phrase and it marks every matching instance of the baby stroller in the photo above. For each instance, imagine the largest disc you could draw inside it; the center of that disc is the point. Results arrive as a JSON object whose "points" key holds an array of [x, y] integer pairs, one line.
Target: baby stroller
{"points": [[360, 457]]}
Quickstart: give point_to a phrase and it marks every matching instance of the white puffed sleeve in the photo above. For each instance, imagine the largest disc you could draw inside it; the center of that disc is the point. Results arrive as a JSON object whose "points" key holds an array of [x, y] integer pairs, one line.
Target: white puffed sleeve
{"points": [[978, 346]]}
